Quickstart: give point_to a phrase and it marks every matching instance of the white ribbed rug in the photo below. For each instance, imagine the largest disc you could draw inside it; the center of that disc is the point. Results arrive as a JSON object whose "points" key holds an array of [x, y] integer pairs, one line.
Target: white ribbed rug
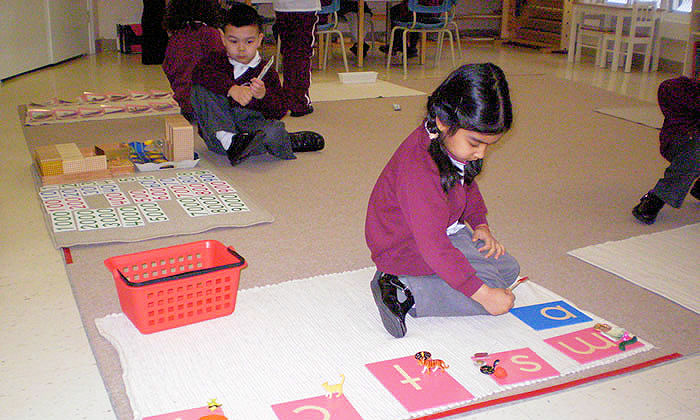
{"points": [[666, 262], [283, 341]]}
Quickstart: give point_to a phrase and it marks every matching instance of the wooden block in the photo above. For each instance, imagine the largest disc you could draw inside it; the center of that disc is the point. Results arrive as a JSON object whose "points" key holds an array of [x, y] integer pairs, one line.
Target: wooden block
{"points": [[48, 161], [179, 138], [113, 150], [120, 166], [68, 151], [72, 166], [96, 163]]}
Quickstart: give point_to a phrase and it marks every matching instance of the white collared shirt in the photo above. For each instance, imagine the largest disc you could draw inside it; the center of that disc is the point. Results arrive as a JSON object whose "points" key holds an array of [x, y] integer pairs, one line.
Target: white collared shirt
{"points": [[457, 226], [240, 68]]}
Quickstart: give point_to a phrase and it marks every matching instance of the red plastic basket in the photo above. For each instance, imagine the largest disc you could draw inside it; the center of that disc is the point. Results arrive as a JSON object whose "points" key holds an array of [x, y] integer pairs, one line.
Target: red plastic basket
{"points": [[178, 285]]}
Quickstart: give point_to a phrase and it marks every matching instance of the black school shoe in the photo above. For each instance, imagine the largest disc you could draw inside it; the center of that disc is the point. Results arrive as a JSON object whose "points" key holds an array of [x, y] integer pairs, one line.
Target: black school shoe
{"points": [[695, 191], [365, 49], [392, 312], [306, 141], [238, 144], [411, 52], [307, 111], [648, 208]]}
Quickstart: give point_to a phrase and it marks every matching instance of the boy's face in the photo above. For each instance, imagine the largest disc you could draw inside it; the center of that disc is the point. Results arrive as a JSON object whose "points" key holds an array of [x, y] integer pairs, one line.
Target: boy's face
{"points": [[241, 43]]}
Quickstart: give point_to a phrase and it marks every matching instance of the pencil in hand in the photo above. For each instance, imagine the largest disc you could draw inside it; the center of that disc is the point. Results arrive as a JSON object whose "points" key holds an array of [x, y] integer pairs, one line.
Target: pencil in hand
{"points": [[517, 283]]}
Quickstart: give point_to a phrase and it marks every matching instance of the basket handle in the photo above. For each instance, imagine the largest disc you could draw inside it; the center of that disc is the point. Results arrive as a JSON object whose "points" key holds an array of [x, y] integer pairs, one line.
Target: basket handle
{"points": [[240, 262]]}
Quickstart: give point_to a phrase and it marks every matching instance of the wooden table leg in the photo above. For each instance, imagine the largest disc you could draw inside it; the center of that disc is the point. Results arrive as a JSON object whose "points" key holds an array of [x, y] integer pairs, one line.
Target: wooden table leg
{"points": [[360, 32]]}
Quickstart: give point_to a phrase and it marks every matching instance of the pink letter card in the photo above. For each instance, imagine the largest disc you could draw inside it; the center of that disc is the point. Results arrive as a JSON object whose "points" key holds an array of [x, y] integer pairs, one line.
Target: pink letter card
{"points": [[415, 390], [521, 365], [587, 345], [321, 408]]}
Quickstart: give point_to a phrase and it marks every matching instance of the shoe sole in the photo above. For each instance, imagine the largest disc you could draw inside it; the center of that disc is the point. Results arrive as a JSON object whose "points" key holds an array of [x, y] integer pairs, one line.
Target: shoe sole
{"points": [[643, 219], [392, 323]]}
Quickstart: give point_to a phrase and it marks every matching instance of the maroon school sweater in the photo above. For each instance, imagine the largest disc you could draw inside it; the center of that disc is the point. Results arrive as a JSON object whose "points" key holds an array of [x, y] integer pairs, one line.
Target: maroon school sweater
{"points": [[409, 213], [215, 73]]}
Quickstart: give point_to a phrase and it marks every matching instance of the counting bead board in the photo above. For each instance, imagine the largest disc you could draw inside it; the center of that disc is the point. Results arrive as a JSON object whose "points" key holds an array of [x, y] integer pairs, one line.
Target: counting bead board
{"points": [[154, 205]]}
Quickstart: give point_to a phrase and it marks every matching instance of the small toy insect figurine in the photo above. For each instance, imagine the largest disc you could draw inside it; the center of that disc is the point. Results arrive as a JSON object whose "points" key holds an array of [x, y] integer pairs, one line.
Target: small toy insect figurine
{"points": [[424, 359], [489, 369]]}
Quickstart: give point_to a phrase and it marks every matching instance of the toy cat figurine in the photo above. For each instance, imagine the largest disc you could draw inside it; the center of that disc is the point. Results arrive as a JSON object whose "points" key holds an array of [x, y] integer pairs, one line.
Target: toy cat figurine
{"points": [[334, 388], [424, 359]]}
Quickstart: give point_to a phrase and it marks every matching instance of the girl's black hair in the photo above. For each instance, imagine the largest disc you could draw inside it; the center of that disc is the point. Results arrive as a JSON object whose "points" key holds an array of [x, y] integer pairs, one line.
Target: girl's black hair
{"points": [[474, 97], [181, 14]]}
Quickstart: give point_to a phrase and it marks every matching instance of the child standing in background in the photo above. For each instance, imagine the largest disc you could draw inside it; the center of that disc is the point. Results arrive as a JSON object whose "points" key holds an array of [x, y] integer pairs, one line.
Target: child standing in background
{"points": [[193, 34], [295, 23], [679, 100], [429, 263], [237, 111]]}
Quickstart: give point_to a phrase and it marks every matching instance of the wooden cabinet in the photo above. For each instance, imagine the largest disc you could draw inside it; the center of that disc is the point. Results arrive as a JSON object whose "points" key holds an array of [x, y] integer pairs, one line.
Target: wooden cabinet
{"points": [[37, 33]]}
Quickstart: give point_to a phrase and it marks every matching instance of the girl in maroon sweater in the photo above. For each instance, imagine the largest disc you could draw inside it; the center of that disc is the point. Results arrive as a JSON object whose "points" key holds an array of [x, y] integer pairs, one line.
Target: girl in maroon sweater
{"points": [[191, 25], [429, 262]]}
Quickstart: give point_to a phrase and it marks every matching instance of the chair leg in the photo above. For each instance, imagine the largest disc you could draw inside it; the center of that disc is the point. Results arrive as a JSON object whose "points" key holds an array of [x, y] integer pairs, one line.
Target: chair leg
{"points": [[604, 53], [342, 50], [371, 29], [647, 57], [278, 55], [438, 47], [391, 47], [577, 52], [452, 48], [405, 52], [600, 53], [459, 42], [326, 43], [628, 59]]}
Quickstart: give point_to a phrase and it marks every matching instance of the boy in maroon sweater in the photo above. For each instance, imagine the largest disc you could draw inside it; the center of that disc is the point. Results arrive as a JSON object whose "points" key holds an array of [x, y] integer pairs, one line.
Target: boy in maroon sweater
{"points": [[238, 109]]}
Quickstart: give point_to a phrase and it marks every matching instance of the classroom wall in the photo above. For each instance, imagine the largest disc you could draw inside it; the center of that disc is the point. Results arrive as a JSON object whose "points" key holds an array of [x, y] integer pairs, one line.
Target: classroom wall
{"points": [[110, 13]]}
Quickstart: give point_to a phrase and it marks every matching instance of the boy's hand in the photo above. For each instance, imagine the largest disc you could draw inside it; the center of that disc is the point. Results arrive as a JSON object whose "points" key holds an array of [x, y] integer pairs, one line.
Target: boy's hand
{"points": [[257, 86], [241, 94], [494, 248], [495, 301]]}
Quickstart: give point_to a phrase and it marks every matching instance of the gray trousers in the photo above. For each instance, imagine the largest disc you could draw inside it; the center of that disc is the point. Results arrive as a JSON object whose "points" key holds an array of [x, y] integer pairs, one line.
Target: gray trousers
{"points": [[681, 173], [215, 113], [434, 297]]}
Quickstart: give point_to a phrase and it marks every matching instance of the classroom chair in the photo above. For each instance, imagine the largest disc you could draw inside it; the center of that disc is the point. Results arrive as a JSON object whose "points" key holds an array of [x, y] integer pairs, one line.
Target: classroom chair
{"points": [[437, 25]]}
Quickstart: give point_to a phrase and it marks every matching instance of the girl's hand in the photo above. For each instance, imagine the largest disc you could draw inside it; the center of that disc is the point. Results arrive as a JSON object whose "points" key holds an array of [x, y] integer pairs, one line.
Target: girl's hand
{"points": [[494, 248], [495, 301], [241, 94], [257, 87]]}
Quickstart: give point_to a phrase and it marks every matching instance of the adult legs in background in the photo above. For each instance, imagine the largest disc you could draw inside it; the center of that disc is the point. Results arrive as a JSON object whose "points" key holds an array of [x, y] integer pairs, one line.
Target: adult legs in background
{"points": [[155, 39], [434, 297], [400, 12], [296, 32], [348, 11]]}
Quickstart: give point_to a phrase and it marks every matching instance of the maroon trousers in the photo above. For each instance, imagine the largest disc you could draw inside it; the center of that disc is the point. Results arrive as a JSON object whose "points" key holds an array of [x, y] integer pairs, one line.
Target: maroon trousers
{"points": [[296, 32]]}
